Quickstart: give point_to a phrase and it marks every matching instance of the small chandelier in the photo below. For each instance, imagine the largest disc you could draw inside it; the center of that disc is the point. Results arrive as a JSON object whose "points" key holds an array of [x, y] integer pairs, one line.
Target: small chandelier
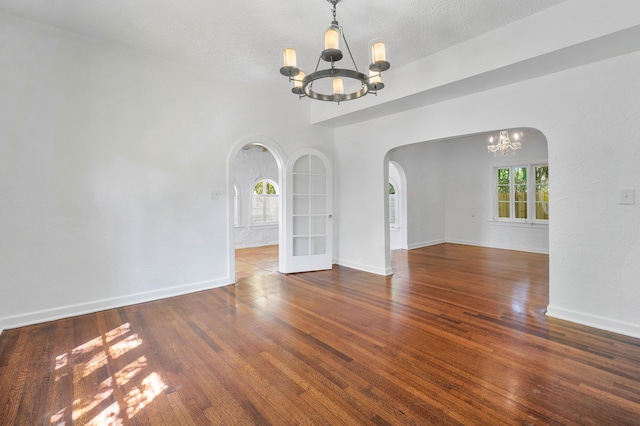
{"points": [[303, 85], [504, 145]]}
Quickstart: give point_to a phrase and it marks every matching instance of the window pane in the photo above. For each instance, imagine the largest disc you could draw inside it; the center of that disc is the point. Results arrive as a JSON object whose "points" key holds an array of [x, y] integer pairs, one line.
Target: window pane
{"points": [[318, 245], [542, 174], [318, 204], [521, 193], [520, 210], [300, 225], [316, 166], [300, 204], [392, 209], [271, 208], [317, 185], [520, 175], [542, 211], [300, 246], [300, 184], [542, 192], [257, 209], [271, 189], [318, 225], [503, 176], [504, 210], [301, 165], [259, 188], [503, 193]]}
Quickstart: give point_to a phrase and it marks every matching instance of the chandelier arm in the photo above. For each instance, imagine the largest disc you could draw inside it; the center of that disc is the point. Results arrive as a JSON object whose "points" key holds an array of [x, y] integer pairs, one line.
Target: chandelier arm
{"points": [[316, 70], [318, 63], [348, 49]]}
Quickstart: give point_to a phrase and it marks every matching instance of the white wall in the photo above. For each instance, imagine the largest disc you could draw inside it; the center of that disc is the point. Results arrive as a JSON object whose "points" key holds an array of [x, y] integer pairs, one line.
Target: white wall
{"points": [[107, 158], [590, 116], [424, 168], [253, 164]]}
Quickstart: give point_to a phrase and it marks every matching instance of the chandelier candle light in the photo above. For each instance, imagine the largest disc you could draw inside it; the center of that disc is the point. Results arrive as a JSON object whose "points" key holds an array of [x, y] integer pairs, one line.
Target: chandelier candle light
{"points": [[303, 84], [504, 145]]}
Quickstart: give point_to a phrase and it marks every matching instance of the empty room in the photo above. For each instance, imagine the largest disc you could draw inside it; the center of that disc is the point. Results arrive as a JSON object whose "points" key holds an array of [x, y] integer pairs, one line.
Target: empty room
{"points": [[336, 212]]}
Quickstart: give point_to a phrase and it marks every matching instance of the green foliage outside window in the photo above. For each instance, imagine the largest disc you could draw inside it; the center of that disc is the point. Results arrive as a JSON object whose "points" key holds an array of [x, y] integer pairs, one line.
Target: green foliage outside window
{"points": [[513, 182], [542, 192], [260, 188]]}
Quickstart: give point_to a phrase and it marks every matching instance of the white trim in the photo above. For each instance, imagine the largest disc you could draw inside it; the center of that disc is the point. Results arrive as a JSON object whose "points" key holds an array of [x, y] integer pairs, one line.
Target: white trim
{"points": [[500, 246], [110, 303], [519, 223], [425, 244], [364, 268], [262, 225], [614, 326]]}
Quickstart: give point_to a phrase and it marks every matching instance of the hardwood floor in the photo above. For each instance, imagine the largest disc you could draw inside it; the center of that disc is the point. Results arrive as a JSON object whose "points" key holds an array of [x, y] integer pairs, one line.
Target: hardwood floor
{"points": [[457, 335], [256, 261]]}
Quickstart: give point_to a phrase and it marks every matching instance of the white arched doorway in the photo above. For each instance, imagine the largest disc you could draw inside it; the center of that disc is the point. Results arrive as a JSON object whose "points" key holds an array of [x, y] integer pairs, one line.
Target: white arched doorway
{"points": [[397, 207], [280, 159], [454, 193], [308, 213]]}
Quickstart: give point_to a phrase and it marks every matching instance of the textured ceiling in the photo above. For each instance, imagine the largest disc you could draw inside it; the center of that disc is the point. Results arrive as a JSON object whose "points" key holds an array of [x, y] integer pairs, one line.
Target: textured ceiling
{"points": [[241, 39]]}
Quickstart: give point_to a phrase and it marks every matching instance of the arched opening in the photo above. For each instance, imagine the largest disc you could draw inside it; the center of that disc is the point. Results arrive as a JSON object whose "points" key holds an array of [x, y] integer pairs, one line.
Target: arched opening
{"points": [[457, 195], [397, 207], [255, 170]]}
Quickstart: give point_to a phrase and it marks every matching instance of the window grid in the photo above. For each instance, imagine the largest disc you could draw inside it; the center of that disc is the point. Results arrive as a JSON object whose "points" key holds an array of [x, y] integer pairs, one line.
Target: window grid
{"points": [[513, 184], [264, 202]]}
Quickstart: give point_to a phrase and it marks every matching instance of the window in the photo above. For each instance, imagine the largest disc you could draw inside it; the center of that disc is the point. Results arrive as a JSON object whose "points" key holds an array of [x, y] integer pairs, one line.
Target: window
{"points": [[513, 186], [393, 222], [264, 202], [542, 192]]}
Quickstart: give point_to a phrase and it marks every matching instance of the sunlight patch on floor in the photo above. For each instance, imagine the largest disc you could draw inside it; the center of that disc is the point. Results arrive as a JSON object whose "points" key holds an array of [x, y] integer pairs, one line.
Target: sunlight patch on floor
{"points": [[83, 363]]}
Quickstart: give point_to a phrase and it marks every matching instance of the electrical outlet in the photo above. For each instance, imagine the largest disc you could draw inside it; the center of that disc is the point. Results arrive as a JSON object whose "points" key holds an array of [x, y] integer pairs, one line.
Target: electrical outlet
{"points": [[627, 196], [214, 195]]}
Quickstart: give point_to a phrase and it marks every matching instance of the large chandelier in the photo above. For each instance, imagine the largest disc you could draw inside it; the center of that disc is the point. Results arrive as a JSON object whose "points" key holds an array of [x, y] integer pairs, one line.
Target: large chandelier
{"points": [[316, 84], [504, 145]]}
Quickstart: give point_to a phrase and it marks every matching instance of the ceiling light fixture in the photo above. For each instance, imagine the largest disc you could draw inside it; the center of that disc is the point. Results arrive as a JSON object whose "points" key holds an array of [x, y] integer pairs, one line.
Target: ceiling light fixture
{"points": [[504, 145], [339, 90]]}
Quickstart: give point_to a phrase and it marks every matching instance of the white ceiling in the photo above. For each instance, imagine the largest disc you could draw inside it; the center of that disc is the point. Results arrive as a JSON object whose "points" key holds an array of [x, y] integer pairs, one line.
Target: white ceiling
{"points": [[241, 39]]}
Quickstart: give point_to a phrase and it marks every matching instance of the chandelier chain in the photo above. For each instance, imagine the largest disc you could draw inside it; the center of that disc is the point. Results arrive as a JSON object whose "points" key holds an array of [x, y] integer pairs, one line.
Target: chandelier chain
{"points": [[333, 9]]}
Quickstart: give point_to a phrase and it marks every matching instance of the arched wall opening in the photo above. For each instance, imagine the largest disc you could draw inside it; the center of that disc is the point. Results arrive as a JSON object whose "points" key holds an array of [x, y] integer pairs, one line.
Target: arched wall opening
{"points": [[397, 206], [265, 146], [589, 120], [452, 193]]}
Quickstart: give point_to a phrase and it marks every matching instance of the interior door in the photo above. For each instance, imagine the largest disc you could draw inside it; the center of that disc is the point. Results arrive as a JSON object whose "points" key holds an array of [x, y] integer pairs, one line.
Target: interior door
{"points": [[308, 210]]}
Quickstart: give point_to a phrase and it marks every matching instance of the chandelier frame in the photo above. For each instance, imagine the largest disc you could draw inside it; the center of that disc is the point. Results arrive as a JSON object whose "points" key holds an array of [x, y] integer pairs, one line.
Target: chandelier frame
{"points": [[303, 87]]}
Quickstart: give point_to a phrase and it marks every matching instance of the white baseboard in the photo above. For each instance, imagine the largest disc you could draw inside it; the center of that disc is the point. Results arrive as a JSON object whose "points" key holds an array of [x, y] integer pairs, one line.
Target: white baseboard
{"points": [[365, 268], [500, 246], [104, 304], [425, 244], [608, 324]]}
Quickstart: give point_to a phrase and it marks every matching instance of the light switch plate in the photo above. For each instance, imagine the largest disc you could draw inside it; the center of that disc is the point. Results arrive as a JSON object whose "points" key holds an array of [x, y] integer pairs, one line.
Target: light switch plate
{"points": [[627, 196]]}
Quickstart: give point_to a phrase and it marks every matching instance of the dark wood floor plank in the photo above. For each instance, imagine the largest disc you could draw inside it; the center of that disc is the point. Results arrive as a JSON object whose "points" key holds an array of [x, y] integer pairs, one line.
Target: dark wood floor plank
{"points": [[458, 335]]}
